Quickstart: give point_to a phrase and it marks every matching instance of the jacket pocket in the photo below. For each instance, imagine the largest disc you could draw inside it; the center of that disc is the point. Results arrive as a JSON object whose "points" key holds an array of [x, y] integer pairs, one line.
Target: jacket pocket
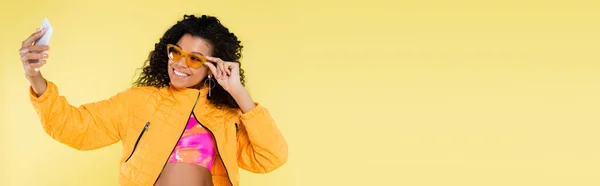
{"points": [[138, 140]]}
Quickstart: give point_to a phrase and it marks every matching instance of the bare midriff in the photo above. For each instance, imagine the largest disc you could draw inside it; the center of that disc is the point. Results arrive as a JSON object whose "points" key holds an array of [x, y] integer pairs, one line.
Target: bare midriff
{"points": [[185, 174], [191, 161]]}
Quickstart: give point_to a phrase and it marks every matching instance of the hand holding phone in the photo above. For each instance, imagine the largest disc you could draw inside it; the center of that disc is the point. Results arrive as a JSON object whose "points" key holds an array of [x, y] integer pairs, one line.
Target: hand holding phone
{"points": [[33, 49], [45, 39]]}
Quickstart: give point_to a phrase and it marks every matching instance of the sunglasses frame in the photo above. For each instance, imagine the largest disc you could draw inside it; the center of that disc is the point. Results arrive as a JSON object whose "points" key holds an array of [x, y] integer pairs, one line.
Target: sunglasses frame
{"points": [[187, 55]]}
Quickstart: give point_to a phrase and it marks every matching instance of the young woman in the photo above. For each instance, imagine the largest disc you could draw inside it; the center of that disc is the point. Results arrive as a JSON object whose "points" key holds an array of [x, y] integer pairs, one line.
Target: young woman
{"points": [[188, 120]]}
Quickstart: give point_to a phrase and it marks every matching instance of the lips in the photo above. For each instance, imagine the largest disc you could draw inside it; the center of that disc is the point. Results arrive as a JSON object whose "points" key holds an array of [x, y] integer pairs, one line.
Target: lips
{"points": [[180, 74]]}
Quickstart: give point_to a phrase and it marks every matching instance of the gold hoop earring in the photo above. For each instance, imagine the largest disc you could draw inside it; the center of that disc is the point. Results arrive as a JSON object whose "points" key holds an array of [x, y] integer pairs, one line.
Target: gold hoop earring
{"points": [[211, 84]]}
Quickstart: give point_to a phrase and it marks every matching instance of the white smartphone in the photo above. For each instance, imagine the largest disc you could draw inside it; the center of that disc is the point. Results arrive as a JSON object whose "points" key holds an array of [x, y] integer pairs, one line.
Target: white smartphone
{"points": [[45, 39]]}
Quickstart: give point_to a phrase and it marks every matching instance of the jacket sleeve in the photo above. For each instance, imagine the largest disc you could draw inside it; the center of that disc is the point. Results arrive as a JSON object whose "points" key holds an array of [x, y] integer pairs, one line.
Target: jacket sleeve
{"points": [[89, 126], [261, 147]]}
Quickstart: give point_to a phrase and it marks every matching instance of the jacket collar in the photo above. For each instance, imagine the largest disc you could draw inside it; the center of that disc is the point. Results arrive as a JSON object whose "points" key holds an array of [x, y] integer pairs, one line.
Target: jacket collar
{"points": [[205, 112]]}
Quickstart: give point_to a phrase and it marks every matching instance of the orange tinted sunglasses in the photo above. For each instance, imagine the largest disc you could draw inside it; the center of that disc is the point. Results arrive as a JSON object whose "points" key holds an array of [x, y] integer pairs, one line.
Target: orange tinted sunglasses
{"points": [[193, 60]]}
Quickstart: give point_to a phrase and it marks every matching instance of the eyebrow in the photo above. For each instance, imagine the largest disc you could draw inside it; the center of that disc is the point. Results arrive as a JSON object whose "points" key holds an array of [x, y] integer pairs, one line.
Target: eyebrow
{"points": [[191, 52]]}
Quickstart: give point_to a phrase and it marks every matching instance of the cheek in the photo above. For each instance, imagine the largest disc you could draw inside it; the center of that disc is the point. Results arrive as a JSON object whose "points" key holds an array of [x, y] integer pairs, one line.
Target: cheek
{"points": [[199, 73]]}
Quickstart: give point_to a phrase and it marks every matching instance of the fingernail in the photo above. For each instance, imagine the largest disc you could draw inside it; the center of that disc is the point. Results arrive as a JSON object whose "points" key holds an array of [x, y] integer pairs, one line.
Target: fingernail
{"points": [[45, 55]]}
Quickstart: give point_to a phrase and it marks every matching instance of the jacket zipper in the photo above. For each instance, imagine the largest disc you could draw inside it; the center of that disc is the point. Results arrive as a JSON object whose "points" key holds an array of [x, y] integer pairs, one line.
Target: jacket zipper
{"points": [[216, 147], [138, 140], [182, 131]]}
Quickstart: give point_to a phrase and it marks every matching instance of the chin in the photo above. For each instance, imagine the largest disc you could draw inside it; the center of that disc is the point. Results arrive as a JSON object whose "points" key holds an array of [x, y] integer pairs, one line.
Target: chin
{"points": [[177, 85]]}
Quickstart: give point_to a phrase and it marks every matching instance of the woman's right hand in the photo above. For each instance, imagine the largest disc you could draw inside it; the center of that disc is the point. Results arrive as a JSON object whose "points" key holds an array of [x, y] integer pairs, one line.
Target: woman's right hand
{"points": [[33, 56]]}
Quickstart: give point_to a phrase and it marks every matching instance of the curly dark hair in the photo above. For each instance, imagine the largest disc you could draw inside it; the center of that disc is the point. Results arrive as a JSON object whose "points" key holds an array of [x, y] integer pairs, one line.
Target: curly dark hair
{"points": [[225, 45]]}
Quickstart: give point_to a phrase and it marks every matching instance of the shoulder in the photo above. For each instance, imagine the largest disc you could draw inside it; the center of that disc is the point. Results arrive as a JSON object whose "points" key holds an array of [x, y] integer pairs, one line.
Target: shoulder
{"points": [[142, 90], [223, 113]]}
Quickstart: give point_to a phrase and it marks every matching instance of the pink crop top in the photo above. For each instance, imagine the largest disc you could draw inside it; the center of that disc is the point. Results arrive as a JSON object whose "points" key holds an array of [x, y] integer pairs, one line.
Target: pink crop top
{"points": [[195, 146]]}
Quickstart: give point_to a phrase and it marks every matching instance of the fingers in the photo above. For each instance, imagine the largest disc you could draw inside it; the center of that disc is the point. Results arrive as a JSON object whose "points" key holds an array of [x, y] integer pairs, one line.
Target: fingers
{"points": [[213, 59], [33, 57], [39, 48], [31, 69], [34, 37], [219, 73], [37, 65], [224, 68], [221, 69], [228, 67], [232, 66], [34, 48], [29, 57], [212, 68]]}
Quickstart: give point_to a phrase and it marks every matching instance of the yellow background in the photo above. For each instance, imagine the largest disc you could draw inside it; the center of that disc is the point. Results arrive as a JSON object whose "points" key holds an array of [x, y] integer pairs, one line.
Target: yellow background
{"points": [[373, 92]]}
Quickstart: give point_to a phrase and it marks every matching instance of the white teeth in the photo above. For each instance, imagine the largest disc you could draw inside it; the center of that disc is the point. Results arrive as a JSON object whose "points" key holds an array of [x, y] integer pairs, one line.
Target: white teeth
{"points": [[180, 73]]}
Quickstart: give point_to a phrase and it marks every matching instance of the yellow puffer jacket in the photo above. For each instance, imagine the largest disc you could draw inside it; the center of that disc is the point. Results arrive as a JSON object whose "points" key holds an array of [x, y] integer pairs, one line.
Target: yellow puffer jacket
{"points": [[149, 122]]}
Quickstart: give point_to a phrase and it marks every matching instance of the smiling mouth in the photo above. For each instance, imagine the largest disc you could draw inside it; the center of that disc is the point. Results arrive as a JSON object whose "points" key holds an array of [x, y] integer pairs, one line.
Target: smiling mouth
{"points": [[180, 74]]}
